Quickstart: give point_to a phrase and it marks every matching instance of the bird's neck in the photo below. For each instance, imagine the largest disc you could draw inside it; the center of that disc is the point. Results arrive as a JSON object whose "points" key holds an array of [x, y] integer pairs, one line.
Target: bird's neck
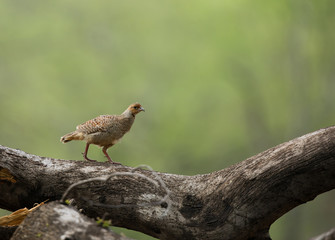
{"points": [[128, 114]]}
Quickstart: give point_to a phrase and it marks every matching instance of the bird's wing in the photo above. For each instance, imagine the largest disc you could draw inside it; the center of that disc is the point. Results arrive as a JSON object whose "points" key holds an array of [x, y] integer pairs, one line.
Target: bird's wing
{"points": [[98, 124]]}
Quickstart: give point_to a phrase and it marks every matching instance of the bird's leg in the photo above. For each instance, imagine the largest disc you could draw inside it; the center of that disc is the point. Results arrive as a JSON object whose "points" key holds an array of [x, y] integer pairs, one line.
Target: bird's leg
{"points": [[85, 153], [104, 150]]}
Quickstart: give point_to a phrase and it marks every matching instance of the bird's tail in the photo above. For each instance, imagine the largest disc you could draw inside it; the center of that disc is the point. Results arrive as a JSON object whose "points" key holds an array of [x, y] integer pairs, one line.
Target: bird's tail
{"points": [[72, 136]]}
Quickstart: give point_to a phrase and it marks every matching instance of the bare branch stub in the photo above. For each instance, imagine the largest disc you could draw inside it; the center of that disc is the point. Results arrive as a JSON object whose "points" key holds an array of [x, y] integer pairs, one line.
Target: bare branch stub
{"points": [[239, 202]]}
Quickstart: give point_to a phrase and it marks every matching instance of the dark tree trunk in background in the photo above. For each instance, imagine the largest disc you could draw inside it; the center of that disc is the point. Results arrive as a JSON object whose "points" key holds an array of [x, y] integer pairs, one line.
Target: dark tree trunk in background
{"points": [[239, 202], [7, 232]]}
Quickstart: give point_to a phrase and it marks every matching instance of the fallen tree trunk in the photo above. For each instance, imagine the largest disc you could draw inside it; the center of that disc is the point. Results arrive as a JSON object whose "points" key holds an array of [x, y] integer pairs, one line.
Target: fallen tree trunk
{"points": [[239, 202]]}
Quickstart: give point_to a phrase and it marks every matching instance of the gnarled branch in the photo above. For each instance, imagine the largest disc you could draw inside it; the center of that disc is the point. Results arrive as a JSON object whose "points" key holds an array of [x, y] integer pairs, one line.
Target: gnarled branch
{"points": [[238, 202]]}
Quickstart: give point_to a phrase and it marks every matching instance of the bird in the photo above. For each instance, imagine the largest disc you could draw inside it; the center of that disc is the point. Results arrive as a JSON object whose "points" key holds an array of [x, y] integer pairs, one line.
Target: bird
{"points": [[104, 130]]}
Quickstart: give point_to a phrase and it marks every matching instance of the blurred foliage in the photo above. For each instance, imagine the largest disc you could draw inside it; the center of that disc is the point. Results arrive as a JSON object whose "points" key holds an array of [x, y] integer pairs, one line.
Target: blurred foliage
{"points": [[220, 82]]}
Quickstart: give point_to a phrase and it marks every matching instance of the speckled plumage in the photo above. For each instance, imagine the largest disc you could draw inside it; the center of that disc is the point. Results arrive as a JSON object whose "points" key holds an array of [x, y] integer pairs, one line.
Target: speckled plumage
{"points": [[105, 130]]}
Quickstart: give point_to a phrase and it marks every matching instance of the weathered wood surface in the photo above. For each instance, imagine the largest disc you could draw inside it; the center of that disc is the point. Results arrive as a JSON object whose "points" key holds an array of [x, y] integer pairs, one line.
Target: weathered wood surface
{"points": [[239, 202], [57, 221]]}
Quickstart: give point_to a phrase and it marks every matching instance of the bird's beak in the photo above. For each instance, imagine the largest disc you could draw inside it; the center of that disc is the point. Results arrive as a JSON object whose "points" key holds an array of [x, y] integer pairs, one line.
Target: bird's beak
{"points": [[142, 109]]}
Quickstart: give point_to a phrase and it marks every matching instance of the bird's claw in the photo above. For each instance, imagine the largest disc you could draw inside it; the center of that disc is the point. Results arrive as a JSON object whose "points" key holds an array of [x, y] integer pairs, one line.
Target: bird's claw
{"points": [[116, 163], [86, 158], [91, 160], [112, 162]]}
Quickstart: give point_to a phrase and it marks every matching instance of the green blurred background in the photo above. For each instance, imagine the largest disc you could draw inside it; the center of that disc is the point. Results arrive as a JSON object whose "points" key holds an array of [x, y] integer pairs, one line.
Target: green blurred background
{"points": [[220, 81]]}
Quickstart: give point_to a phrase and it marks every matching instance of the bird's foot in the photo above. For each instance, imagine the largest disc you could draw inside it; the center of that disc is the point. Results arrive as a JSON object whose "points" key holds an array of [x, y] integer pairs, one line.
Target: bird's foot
{"points": [[86, 158], [91, 160], [112, 162], [116, 163]]}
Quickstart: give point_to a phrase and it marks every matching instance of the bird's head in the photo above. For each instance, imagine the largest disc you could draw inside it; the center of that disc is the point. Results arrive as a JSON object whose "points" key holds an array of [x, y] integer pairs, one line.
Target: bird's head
{"points": [[135, 108]]}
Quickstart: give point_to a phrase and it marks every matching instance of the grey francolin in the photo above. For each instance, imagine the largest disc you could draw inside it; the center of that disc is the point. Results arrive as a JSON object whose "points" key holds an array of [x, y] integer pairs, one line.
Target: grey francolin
{"points": [[105, 130]]}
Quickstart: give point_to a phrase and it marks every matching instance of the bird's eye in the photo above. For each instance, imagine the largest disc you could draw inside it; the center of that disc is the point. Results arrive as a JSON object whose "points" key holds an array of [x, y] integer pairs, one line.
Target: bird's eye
{"points": [[136, 107]]}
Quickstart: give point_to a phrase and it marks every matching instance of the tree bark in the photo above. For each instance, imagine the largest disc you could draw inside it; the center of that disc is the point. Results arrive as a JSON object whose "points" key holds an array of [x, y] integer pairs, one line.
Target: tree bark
{"points": [[239, 202], [330, 235], [56, 221]]}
